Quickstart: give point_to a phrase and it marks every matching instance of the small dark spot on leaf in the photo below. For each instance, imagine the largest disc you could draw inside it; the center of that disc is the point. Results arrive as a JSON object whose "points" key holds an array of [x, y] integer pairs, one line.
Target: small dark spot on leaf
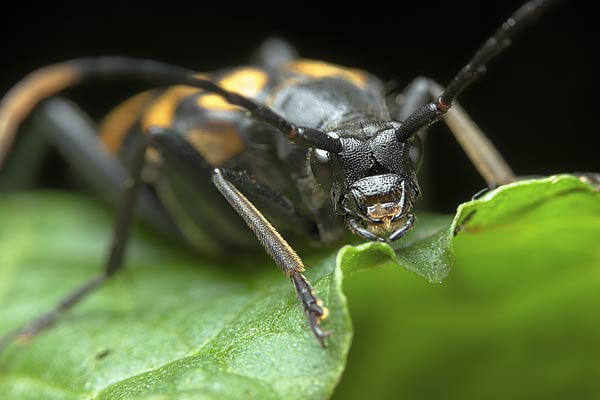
{"points": [[103, 353]]}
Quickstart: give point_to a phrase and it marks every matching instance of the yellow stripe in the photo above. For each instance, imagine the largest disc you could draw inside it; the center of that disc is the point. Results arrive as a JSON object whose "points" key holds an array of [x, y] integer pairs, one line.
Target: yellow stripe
{"points": [[217, 144], [320, 69], [162, 111], [118, 122], [248, 82]]}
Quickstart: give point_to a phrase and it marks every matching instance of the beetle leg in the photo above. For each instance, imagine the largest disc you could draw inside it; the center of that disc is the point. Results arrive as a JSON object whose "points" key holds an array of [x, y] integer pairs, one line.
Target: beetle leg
{"points": [[183, 157], [114, 262], [272, 201], [276, 246], [34, 327], [69, 129], [313, 306]]}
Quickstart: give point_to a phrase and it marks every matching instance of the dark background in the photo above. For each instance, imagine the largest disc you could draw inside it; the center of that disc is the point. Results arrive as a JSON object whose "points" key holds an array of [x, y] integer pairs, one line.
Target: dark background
{"points": [[537, 103]]}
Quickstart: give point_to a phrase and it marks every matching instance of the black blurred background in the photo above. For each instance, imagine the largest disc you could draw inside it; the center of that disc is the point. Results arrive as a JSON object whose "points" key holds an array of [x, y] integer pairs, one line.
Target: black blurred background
{"points": [[537, 102]]}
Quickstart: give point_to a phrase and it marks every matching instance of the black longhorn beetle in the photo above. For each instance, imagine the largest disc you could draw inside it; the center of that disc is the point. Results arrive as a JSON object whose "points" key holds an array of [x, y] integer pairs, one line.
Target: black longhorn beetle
{"points": [[315, 146]]}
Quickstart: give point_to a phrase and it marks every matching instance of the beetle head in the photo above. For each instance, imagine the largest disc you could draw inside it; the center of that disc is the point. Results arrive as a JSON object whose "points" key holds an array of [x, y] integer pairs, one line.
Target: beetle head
{"points": [[372, 179]]}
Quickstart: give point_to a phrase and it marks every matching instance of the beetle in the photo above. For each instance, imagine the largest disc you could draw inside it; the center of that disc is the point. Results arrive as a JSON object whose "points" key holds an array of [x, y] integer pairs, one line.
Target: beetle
{"points": [[292, 145]]}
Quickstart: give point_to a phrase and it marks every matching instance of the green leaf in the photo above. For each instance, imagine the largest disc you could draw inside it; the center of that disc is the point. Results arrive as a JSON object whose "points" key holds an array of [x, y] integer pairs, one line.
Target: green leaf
{"points": [[517, 318], [173, 325], [176, 325]]}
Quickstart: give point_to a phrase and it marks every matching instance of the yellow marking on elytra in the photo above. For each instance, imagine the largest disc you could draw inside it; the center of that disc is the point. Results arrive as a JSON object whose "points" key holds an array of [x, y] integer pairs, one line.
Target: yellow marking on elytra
{"points": [[20, 101], [217, 144], [320, 69], [248, 82], [161, 112], [119, 121]]}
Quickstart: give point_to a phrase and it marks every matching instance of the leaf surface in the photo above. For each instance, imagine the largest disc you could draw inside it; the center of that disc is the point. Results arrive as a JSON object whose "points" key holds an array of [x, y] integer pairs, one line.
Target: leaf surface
{"points": [[176, 325]]}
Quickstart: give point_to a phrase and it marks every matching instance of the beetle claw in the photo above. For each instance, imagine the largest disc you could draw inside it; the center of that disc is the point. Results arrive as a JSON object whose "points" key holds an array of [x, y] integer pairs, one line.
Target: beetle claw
{"points": [[316, 313], [313, 306]]}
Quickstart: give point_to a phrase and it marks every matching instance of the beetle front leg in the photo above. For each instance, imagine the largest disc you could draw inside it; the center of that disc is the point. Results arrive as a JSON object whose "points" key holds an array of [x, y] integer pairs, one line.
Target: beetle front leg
{"points": [[183, 157], [277, 247]]}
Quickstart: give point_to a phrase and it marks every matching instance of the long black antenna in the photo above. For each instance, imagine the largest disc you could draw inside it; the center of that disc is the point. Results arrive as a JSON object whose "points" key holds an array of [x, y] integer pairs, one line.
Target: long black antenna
{"points": [[47, 81], [495, 45]]}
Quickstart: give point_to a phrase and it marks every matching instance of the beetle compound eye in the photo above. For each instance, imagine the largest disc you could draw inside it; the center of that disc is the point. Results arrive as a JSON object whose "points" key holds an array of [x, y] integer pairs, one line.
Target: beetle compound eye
{"points": [[321, 167], [415, 152]]}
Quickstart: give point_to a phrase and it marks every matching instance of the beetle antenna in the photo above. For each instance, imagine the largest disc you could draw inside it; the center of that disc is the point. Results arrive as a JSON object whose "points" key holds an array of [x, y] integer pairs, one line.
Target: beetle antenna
{"points": [[475, 68], [20, 101]]}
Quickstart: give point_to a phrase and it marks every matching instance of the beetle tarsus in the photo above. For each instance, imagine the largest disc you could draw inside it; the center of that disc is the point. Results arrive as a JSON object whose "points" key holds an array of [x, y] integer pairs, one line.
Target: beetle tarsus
{"points": [[314, 319], [313, 306], [26, 333]]}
